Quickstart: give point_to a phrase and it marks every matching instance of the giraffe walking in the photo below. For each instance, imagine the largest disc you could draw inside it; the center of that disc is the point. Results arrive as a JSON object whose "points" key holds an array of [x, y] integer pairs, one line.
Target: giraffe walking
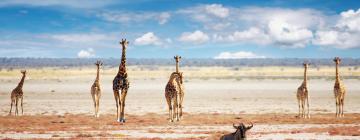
{"points": [[172, 95], [17, 95], [339, 90], [96, 89], [303, 95], [177, 60], [121, 82]]}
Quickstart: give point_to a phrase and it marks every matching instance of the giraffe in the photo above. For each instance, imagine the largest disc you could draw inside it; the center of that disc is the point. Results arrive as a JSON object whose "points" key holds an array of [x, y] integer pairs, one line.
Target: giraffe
{"points": [[96, 89], [177, 60], [303, 95], [17, 94], [121, 82], [172, 93], [339, 90]]}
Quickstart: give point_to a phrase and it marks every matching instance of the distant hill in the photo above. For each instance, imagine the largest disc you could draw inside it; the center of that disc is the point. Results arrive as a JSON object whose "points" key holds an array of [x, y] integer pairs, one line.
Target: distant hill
{"points": [[112, 62]]}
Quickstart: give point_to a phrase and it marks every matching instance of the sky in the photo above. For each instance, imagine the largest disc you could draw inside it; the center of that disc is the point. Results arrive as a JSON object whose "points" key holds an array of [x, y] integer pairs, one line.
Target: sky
{"points": [[227, 29]]}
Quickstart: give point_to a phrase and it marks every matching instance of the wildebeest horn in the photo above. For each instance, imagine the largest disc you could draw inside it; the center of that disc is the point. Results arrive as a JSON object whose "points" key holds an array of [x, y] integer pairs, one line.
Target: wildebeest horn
{"points": [[235, 126], [249, 127]]}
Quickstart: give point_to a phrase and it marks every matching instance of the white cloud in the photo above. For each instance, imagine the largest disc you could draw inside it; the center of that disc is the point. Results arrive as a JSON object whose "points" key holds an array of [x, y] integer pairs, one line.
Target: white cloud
{"points": [[350, 20], [286, 34], [86, 53], [196, 37], [164, 17], [81, 37], [345, 34], [237, 55], [253, 35], [217, 10], [125, 17], [64, 3], [148, 39]]}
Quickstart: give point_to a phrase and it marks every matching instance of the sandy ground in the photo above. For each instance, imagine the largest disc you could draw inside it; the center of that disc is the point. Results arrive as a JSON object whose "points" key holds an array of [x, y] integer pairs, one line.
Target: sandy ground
{"points": [[62, 108]]}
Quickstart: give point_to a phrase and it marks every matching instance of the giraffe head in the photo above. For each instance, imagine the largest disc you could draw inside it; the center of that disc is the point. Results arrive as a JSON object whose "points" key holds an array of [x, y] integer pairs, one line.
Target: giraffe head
{"points": [[306, 64], [337, 60], [124, 43], [177, 58], [98, 63], [23, 72]]}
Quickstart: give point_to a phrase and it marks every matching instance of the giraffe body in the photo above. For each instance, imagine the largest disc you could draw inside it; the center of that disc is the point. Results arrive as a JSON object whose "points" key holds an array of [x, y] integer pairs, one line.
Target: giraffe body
{"points": [[172, 95], [121, 85], [17, 95], [339, 90], [303, 96], [96, 89]]}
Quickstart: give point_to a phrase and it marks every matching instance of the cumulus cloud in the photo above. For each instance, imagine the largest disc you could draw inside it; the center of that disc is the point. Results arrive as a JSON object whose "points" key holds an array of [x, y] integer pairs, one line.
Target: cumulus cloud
{"points": [[344, 34], [253, 35], [148, 39], [237, 55], [164, 17], [196, 37], [86, 53], [217, 10], [350, 20], [286, 34]]}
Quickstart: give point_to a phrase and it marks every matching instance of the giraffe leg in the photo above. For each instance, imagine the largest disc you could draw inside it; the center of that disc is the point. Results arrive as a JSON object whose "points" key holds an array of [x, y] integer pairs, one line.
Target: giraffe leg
{"points": [[168, 101], [303, 108], [93, 97], [16, 107], [299, 104], [181, 107], [342, 107], [337, 107], [308, 109], [123, 97], [22, 109], [98, 105], [12, 101], [116, 95]]}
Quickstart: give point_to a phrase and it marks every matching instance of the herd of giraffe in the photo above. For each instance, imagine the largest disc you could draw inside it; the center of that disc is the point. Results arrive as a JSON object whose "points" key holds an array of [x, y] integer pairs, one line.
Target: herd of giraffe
{"points": [[174, 91]]}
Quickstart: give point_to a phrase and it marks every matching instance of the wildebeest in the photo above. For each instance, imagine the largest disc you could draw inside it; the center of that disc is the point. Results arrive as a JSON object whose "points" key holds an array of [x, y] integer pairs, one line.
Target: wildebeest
{"points": [[239, 134]]}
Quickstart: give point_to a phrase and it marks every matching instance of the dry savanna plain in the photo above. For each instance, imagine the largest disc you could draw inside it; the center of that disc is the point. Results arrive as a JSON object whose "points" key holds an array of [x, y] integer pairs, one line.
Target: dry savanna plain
{"points": [[58, 104]]}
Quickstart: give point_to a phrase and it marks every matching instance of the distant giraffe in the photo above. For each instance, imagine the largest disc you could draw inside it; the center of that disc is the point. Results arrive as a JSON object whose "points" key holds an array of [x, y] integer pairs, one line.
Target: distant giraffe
{"points": [[121, 82], [182, 93], [96, 89], [303, 95], [339, 90], [17, 94], [172, 95]]}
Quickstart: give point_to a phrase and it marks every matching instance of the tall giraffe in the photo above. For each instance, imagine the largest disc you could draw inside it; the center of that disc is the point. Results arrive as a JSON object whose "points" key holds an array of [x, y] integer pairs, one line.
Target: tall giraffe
{"points": [[177, 60], [339, 90], [121, 82], [303, 95], [172, 95], [96, 89], [18, 94]]}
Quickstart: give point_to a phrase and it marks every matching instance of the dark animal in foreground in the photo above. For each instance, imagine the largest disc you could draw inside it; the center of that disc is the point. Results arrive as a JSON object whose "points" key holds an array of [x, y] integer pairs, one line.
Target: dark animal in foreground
{"points": [[239, 134]]}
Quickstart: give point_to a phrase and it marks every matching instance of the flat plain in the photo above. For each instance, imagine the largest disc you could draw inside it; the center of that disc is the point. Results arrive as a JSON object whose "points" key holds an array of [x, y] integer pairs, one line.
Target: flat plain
{"points": [[57, 103]]}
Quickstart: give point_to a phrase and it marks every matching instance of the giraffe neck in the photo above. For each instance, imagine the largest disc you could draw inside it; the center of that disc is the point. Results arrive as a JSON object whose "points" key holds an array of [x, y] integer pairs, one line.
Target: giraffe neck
{"points": [[122, 67], [177, 66], [305, 77], [337, 76], [97, 74], [21, 83]]}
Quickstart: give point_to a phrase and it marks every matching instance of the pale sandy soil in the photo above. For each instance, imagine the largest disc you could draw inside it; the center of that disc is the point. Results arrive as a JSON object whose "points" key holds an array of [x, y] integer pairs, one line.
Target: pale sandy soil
{"points": [[61, 107]]}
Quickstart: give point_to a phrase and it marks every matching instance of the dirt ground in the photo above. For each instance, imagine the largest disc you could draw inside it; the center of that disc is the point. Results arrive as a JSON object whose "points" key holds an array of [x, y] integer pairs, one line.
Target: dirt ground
{"points": [[193, 126]]}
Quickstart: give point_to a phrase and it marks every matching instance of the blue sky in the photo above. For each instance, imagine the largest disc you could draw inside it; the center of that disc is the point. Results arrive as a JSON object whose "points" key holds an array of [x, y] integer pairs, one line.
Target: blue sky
{"points": [[194, 29]]}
